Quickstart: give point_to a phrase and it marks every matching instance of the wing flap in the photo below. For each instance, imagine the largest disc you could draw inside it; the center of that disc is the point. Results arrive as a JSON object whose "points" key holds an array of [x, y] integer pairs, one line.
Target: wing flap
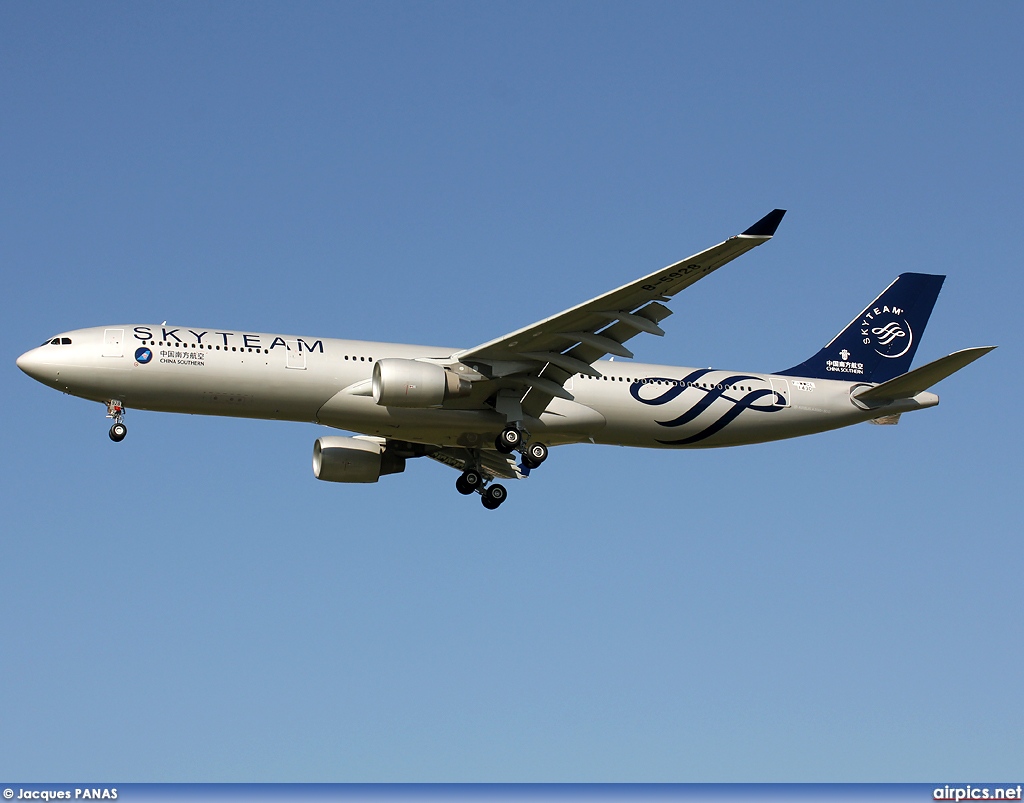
{"points": [[492, 464]]}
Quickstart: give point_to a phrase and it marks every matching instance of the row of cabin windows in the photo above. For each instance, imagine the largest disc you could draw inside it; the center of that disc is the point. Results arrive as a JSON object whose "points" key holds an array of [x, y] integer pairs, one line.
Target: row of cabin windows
{"points": [[674, 382], [200, 346], [216, 348]]}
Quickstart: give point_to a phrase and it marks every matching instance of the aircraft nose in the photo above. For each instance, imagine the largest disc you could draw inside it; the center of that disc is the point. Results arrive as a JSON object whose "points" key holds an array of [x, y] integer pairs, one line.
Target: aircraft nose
{"points": [[31, 363]]}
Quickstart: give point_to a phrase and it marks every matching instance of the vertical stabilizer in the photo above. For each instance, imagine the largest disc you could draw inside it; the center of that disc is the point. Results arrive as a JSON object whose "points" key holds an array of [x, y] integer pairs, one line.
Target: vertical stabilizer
{"points": [[880, 343]]}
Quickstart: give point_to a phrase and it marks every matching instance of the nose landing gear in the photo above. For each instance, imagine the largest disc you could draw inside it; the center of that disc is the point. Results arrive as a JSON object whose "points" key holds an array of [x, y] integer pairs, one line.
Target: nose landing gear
{"points": [[118, 430]]}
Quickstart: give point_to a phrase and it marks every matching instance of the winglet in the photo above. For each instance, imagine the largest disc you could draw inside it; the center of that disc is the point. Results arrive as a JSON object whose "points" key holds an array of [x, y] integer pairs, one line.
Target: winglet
{"points": [[767, 225]]}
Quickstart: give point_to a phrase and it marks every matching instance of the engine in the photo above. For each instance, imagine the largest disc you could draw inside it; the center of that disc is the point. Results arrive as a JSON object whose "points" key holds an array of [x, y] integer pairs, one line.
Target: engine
{"points": [[410, 383], [341, 459]]}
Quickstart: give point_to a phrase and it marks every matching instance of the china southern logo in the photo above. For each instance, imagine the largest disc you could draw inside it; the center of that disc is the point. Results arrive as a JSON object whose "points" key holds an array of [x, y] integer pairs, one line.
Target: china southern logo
{"points": [[143, 355]]}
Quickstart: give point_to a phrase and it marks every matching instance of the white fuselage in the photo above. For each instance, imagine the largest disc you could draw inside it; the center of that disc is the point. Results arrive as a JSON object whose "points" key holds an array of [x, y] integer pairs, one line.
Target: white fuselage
{"points": [[321, 380]]}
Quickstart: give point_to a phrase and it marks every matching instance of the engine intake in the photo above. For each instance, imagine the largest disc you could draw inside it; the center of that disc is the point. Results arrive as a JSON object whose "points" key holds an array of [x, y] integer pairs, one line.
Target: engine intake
{"points": [[341, 459], [411, 383]]}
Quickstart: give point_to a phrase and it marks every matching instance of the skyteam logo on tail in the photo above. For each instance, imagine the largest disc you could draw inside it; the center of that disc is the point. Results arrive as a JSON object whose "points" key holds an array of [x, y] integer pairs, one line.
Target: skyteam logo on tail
{"points": [[879, 344], [887, 331]]}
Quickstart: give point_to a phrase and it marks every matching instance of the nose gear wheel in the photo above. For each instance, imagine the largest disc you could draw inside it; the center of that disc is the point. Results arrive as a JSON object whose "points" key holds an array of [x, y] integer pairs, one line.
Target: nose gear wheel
{"points": [[115, 410]]}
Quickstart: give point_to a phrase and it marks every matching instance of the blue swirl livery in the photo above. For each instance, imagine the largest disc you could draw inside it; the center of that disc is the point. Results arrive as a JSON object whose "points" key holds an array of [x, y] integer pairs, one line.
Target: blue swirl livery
{"points": [[732, 391]]}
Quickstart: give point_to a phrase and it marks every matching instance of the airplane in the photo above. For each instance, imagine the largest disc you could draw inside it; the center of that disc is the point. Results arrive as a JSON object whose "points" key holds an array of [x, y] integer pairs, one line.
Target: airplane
{"points": [[544, 385]]}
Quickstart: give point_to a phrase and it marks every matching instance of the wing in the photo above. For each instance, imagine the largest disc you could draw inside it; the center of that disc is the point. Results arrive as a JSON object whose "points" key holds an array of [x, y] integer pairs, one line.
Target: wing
{"points": [[538, 359]]}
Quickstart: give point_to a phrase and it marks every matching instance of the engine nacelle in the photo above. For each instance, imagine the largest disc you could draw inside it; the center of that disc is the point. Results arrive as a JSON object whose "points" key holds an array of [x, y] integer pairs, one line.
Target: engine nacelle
{"points": [[341, 459], [411, 383]]}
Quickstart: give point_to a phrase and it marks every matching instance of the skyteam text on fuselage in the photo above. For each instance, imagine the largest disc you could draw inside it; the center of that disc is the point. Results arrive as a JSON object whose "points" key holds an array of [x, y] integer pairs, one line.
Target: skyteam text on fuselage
{"points": [[493, 410]]}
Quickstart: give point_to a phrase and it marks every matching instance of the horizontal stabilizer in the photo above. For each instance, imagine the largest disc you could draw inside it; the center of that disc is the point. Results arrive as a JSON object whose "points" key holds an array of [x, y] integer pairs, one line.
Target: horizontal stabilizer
{"points": [[920, 379]]}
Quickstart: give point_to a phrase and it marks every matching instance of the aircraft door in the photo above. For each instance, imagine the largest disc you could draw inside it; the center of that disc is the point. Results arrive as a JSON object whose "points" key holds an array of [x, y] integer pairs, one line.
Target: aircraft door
{"points": [[113, 343], [781, 388], [295, 357]]}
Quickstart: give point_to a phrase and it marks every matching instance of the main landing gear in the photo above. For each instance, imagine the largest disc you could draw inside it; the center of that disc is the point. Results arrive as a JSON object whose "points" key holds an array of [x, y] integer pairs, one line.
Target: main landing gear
{"points": [[492, 494], [469, 482], [512, 438], [472, 481], [118, 430], [534, 454], [509, 440]]}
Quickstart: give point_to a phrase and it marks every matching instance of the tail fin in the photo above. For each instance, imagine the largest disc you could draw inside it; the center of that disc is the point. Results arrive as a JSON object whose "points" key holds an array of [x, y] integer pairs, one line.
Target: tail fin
{"points": [[880, 343]]}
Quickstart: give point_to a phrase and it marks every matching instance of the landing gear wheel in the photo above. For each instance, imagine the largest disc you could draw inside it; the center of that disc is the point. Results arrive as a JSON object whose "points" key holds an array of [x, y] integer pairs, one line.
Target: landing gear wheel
{"points": [[117, 432], [468, 482], [493, 496], [508, 441], [535, 454]]}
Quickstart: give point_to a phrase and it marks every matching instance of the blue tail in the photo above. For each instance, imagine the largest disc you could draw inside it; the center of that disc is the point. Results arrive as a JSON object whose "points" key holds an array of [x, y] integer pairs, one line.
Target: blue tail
{"points": [[880, 343]]}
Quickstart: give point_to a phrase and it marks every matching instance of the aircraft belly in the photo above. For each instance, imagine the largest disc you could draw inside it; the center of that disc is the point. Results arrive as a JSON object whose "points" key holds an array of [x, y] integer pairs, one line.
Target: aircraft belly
{"points": [[562, 422], [249, 391], [88, 381], [568, 422], [431, 425]]}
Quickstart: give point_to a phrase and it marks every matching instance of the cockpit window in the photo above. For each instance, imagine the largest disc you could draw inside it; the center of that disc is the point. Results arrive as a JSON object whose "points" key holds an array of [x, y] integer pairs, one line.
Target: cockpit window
{"points": [[58, 341], [54, 342], [65, 341]]}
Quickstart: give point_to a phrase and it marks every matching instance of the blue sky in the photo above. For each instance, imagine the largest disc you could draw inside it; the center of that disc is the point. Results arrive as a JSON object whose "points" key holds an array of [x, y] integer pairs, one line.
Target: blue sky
{"points": [[191, 605]]}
